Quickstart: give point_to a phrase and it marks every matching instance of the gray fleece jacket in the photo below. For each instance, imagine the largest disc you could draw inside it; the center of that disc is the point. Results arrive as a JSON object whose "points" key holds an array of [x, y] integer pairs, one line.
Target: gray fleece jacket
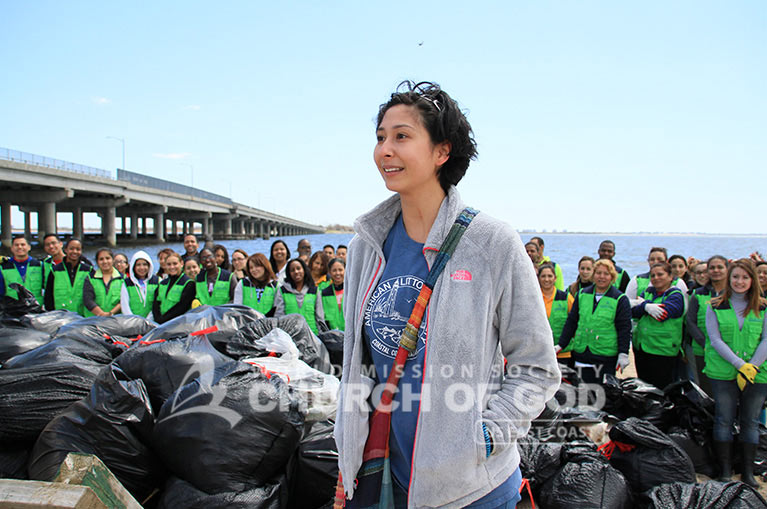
{"points": [[486, 306]]}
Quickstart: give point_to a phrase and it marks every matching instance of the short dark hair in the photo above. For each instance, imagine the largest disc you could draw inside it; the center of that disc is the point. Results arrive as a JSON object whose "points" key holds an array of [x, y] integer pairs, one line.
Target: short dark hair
{"points": [[17, 237], [657, 249], [328, 245], [341, 246], [443, 120], [538, 241], [72, 239], [189, 235], [608, 241], [50, 235]]}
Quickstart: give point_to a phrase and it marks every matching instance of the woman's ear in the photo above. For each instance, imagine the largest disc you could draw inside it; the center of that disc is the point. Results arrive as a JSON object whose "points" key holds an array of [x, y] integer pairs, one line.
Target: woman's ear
{"points": [[443, 152]]}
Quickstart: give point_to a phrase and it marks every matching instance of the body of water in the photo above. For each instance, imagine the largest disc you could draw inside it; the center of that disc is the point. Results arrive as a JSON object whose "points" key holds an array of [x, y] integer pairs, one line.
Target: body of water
{"points": [[564, 248]]}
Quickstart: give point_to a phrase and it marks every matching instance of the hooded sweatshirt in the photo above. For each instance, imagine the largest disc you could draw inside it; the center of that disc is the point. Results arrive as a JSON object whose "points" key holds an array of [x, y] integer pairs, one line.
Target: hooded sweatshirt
{"points": [[140, 283]]}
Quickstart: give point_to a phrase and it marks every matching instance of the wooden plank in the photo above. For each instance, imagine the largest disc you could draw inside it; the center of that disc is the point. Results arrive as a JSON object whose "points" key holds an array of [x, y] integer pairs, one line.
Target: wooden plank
{"points": [[16, 494], [88, 470]]}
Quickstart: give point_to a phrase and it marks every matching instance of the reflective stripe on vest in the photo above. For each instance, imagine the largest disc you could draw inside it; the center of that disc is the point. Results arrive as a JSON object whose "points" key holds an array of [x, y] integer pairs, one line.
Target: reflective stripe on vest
{"points": [[306, 310], [659, 338], [742, 342], [596, 326], [106, 300], [250, 297], [333, 314], [558, 315], [138, 305], [65, 294], [170, 297], [33, 279], [220, 294]]}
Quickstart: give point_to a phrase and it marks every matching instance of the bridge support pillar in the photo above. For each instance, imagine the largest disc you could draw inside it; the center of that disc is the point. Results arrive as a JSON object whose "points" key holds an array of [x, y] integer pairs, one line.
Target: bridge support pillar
{"points": [[209, 230], [28, 226], [159, 226], [227, 226], [143, 225], [77, 223], [133, 226], [46, 220], [108, 226], [174, 227], [5, 224]]}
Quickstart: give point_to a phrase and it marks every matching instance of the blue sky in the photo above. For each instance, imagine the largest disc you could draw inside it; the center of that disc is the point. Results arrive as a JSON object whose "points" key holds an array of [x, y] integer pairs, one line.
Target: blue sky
{"points": [[589, 116]]}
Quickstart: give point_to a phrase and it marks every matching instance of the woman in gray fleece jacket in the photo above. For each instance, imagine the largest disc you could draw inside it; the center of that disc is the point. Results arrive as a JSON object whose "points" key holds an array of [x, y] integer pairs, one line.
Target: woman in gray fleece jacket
{"points": [[459, 408]]}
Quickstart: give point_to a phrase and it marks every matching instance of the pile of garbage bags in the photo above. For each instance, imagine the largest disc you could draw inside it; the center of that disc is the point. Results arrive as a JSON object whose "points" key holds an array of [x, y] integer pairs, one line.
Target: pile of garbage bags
{"points": [[658, 440], [220, 407]]}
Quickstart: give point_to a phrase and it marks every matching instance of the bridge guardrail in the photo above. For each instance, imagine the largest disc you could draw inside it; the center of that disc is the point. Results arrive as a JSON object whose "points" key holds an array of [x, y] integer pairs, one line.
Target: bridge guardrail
{"points": [[166, 185], [49, 162]]}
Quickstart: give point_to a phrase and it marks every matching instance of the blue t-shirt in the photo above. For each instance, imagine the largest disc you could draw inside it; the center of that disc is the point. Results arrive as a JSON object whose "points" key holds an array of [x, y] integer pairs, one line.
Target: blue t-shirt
{"points": [[21, 267], [386, 315]]}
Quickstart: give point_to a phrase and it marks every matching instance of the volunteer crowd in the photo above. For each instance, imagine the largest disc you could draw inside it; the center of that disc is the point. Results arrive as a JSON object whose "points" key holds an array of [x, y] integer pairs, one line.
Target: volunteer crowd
{"points": [[311, 284], [683, 318]]}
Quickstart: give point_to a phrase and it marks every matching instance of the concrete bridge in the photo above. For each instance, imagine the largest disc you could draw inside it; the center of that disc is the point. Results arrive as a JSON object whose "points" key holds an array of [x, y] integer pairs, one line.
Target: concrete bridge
{"points": [[46, 186]]}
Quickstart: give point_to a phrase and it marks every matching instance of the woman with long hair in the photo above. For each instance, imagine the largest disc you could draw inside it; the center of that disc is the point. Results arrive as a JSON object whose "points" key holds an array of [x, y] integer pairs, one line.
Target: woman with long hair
{"points": [[279, 254], [103, 286], [332, 295], [221, 256], [175, 293], [696, 315], [298, 294], [239, 263], [259, 286], [735, 364], [318, 266], [459, 455], [585, 275]]}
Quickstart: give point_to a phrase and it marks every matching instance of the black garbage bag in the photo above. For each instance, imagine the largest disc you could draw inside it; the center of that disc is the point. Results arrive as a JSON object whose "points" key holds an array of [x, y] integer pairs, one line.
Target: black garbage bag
{"points": [[50, 321], [11, 310], [31, 396], [693, 409], [538, 461], [706, 495], [313, 470], [110, 424], [700, 453], [647, 456], [13, 459], [17, 340], [245, 342], [179, 493], [230, 430], [223, 322], [587, 481], [760, 461], [334, 343], [68, 349], [633, 397], [102, 327], [165, 366]]}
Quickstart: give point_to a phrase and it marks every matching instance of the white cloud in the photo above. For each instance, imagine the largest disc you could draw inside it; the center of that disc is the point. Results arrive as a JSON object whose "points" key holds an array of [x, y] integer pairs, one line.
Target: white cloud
{"points": [[178, 155], [100, 100], [192, 107]]}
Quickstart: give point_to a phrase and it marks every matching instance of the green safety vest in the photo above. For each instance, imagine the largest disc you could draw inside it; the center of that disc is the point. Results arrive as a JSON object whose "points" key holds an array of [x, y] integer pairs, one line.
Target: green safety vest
{"points": [[105, 299], [659, 338], [33, 279], [334, 315], [596, 326], [220, 294], [703, 296], [558, 315], [619, 278], [743, 343], [48, 265], [139, 306], [643, 281], [306, 310], [66, 295], [250, 297], [170, 297]]}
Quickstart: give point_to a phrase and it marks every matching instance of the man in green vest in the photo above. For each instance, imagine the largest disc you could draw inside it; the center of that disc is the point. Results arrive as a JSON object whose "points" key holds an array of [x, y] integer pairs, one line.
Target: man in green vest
{"points": [[606, 251], [54, 248], [539, 259], [23, 270]]}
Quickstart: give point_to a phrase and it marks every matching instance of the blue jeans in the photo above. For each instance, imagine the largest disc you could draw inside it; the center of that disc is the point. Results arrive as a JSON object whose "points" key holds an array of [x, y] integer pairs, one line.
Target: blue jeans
{"points": [[728, 396], [497, 499]]}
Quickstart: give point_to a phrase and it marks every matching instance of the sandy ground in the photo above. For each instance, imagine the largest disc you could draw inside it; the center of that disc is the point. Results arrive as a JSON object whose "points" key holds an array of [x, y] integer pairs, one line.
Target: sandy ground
{"points": [[598, 434]]}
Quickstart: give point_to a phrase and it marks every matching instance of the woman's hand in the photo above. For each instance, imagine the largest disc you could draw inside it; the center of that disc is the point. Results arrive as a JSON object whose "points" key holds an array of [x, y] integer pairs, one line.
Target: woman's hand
{"points": [[657, 311]]}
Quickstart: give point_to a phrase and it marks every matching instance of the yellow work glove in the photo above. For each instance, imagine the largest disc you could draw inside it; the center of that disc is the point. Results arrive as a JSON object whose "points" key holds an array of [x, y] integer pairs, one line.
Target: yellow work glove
{"points": [[746, 375]]}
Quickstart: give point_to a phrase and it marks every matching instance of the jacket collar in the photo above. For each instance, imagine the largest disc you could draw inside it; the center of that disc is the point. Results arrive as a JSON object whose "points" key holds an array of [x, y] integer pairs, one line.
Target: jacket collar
{"points": [[374, 225]]}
